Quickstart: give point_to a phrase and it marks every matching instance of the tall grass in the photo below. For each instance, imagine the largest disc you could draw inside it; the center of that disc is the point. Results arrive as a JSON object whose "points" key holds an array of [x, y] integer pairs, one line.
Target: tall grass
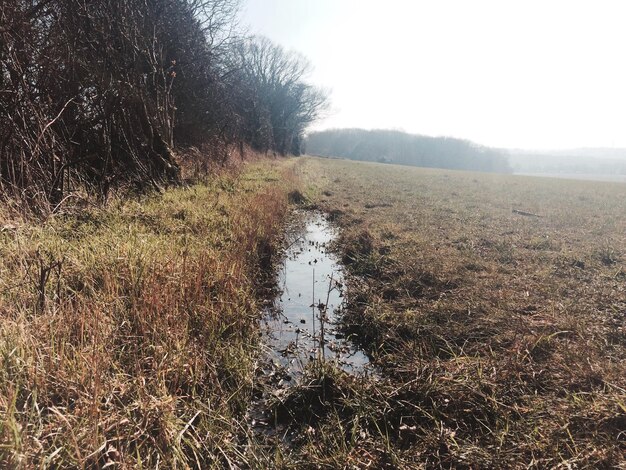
{"points": [[128, 332]]}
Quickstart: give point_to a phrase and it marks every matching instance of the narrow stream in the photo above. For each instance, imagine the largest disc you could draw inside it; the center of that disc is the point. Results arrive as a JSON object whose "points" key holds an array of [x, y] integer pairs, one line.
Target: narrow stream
{"points": [[306, 313], [304, 316], [302, 323]]}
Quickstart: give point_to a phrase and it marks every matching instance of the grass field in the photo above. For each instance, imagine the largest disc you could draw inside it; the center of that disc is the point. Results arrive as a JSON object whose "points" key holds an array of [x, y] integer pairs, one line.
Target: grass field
{"points": [[129, 332], [500, 335]]}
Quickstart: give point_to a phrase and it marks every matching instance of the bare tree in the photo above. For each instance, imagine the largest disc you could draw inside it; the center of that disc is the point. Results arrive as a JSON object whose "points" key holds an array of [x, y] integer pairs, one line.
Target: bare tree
{"points": [[279, 101], [97, 93]]}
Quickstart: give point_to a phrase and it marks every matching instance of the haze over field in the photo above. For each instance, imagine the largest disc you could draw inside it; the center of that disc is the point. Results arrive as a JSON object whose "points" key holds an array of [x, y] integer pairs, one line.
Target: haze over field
{"points": [[531, 75]]}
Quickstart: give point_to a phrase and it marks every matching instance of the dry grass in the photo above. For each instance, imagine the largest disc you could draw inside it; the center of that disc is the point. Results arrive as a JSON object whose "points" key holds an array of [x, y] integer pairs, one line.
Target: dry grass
{"points": [[500, 336], [128, 333]]}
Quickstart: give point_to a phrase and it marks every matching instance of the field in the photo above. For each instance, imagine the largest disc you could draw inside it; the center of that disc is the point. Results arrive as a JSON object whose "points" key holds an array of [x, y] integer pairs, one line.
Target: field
{"points": [[493, 308]]}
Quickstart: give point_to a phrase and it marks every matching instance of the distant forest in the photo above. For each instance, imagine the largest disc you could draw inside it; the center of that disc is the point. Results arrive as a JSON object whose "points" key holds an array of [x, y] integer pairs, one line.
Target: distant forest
{"points": [[398, 147]]}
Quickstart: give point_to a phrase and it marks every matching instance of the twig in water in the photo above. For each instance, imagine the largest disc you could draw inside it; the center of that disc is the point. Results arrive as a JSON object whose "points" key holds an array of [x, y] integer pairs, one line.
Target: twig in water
{"points": [[323, 316], [313, 307]]}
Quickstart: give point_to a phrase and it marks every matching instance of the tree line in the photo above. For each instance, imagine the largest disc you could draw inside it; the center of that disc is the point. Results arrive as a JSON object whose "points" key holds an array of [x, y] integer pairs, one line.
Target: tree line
{"points": [[391, 146], [95, 94]]}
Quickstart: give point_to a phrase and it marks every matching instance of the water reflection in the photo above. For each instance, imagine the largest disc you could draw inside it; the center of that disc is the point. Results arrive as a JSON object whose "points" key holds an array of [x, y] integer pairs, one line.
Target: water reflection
{"points": [[311, 284]]}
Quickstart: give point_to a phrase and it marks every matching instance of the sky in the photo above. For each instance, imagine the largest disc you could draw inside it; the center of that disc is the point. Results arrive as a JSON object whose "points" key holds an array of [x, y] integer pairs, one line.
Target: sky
{"points": [[518, 74]]}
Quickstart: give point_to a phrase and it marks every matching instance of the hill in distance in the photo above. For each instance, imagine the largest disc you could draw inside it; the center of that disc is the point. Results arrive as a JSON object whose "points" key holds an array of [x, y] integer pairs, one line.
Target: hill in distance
{"points": [[599, 161], [391, 146]]}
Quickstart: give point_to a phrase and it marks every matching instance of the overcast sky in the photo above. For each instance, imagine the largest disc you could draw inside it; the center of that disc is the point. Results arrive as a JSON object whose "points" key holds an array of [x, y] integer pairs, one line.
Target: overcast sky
{"points": [[526, 74]]}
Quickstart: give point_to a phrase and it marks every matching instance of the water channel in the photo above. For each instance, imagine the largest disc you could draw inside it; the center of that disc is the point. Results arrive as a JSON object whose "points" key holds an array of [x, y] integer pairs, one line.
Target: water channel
{"points": [[301, 324], [305, 315]]}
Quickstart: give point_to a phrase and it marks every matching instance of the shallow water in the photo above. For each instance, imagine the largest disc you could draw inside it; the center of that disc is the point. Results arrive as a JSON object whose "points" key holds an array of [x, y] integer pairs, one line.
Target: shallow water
{"points": [[310, 282], [311, 289]]}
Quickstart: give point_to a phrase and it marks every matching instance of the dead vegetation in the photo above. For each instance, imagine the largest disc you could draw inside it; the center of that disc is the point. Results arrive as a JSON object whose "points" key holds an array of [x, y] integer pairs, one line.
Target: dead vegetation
{"points": [[127, 333], [500, 338], [101, 95]]}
